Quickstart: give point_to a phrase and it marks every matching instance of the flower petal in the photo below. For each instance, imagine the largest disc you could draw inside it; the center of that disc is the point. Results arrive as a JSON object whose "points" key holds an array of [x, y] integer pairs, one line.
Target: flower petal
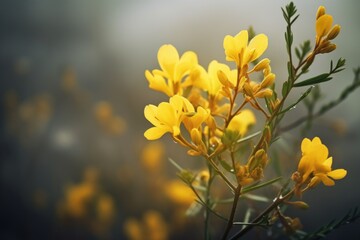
{"points": [[305, 144], [157, 82], [168, 56], [323, 25], [337, 174], [166, 114], [260, 44], [229, 47], [150, 112], [154, 133], [325, 179], [241, 40], [188, 61]]}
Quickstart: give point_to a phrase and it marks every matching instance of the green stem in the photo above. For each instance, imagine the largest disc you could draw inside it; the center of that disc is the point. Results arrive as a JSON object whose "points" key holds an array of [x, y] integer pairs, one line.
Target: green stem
{"points": [[222, 175], [256, 221], [232, 214], [207, 203]]}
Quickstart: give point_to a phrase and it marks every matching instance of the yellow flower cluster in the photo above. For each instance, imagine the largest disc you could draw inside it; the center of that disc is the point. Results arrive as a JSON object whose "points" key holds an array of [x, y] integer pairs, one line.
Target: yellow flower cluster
{"points": [[315, 166], [202, 102], [210, 112], [325, 32]]}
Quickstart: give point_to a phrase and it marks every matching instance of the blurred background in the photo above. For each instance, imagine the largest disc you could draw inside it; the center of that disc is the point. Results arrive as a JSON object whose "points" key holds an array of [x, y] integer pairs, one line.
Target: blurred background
{"points": [[73, 160]]}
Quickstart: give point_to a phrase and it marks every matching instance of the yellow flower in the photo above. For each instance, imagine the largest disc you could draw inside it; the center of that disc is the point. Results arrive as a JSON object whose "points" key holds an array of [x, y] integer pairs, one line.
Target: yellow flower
{"points": [[238, 50], [214, 83], [105, 208], [179, 193], [315, 165], [173, 69], [325, 31], [152, 156], [260, 90], [238, 126], [167, 117], [195, 119], [241, 122]]}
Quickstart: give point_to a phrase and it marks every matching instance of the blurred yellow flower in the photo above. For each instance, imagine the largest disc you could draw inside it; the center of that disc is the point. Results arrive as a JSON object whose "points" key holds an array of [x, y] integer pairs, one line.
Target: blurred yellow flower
{"points": [[155, 225], [103, 111], [173, 70], [105, 208], [77, 199], [133, 229], [151, 227], [316, 165], [179, 193], [152, 155], [109, 122], [241, 122], [238, 50]]}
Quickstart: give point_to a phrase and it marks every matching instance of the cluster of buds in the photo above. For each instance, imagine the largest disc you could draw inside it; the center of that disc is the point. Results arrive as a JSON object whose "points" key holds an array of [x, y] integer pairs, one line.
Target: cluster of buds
{"points": [[325, 32]]}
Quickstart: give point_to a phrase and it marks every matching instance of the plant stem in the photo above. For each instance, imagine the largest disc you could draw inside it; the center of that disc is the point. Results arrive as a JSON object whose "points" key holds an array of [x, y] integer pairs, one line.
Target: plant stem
{"points": [[255, 222], [232, 214], [207, 203]]}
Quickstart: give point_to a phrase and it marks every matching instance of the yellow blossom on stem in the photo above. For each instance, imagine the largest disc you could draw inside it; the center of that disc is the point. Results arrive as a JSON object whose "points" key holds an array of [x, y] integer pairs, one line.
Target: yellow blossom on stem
{"points": [[315, 165], [238, 49], [238, 126], [173, 69], [325, 31], [166, 117], [241, 122], [195, 119]]}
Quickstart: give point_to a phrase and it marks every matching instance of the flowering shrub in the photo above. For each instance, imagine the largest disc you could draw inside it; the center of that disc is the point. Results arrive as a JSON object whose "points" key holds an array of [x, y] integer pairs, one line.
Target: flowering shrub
{"points": [[212, 113]]}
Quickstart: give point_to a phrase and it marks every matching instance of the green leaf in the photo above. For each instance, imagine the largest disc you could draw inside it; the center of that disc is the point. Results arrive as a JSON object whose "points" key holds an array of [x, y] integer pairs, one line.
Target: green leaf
{"points": [[256, 197], [194, 209], [248, 137], [226, 166], [261, 185], [292, 106], [314, 80], [176, 165], [285, 87], [297, 52]]}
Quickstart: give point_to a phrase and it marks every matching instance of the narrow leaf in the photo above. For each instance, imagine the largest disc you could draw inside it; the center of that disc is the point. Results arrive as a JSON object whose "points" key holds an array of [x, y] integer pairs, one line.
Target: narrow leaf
{"points": [[248, 137], [314, 80], [257, 186], [176, 165], [226, 166], [256, 197], [284, 90], [299, 100]]}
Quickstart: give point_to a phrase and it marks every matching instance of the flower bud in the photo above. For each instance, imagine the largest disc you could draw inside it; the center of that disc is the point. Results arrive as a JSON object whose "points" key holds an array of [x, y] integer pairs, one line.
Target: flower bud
{"points": [[299, 204], [224, 80], [334, 32], [257, 173], [329, 48], [248, 90], [296, 177], [268, 80], [321, 11], [264, 93], [261, 65], [195, 136]]}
